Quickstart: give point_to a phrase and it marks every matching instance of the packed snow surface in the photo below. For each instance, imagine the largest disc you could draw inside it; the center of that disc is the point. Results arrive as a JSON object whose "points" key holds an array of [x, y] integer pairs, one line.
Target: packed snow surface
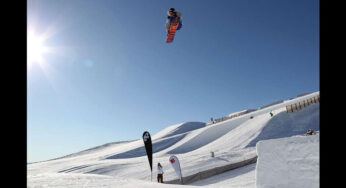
{"points": [[125, 164], [288, 162]]}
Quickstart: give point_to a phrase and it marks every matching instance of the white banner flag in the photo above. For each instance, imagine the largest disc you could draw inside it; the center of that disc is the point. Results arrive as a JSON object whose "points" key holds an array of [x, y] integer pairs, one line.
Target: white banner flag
{"points": [[176, 165]]}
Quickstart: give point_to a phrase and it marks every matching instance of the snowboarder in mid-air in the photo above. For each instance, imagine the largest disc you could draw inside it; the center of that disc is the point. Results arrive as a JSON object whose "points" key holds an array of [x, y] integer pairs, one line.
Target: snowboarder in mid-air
{"points": [[173, 23]]}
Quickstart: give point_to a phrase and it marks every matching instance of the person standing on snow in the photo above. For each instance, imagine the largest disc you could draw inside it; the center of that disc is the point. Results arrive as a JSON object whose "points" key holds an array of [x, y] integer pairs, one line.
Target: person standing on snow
{"points": [[159, 173], [171, 15], [310, 132]]}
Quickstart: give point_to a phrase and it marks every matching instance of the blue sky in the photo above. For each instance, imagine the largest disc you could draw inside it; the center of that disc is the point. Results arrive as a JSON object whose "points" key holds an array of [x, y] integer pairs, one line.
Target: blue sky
{"points": [[110, 75]]}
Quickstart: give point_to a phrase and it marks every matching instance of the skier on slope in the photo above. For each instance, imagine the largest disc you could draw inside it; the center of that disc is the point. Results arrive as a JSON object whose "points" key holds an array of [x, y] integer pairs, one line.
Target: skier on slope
{"points": [[171, 15]]}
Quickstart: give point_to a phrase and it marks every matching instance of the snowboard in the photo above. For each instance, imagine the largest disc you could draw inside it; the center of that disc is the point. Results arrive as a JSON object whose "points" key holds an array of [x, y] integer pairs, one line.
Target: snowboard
{"points": [[172, 30]]}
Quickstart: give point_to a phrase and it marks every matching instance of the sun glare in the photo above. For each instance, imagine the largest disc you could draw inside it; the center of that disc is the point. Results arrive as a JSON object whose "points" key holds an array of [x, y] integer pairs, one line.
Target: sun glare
{"points": [[35, 48]]}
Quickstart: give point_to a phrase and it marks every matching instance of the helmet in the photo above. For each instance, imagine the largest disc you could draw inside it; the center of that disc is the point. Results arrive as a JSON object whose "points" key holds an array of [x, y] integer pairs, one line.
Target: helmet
{"points": [[170, 10]]}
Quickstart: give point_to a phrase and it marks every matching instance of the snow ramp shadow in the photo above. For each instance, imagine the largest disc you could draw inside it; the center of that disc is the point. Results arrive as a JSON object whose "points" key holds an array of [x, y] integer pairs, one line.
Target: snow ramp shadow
{"points": [[185, 127], [157, 147]]}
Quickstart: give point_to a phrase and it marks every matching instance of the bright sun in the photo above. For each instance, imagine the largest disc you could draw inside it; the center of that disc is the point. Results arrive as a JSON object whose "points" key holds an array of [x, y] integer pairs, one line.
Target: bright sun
{"points": [[35, 49]]}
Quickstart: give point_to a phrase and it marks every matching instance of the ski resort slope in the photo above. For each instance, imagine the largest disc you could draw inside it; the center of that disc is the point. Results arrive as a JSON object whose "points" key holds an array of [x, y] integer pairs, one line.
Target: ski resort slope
{"points": [[125, 164]]}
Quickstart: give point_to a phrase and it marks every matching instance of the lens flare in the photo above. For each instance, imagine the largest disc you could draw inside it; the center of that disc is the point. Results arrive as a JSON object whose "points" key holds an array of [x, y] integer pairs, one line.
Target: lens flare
{"points": [[35, 48]]}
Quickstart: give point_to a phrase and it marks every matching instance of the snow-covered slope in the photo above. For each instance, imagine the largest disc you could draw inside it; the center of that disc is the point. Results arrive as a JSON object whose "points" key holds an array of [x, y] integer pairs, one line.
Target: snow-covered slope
{"points": [[232, 141], [288, 162]]}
